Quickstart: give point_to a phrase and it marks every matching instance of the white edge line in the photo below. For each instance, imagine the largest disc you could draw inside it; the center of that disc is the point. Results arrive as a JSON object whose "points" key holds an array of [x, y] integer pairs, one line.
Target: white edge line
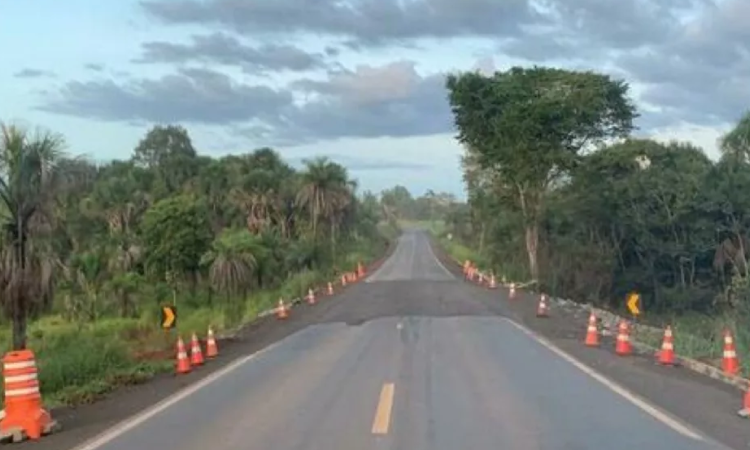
{"points": [[437, 260], [373, 276], [140, 417], [646, 407]]}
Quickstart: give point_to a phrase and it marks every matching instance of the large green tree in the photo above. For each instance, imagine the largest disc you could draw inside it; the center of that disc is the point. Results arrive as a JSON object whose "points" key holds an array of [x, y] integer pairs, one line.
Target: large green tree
{"points": [[176, 233], [529, 125]]}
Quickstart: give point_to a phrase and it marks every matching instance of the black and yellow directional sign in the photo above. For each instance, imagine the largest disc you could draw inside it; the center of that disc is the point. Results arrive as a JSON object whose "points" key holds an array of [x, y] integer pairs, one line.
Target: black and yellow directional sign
{"points": [[634, 303], [168, 317]]}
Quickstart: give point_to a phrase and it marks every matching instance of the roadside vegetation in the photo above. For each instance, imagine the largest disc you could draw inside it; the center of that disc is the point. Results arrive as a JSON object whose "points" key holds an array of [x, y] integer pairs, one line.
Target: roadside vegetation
{"points": [[560, 192], [91, 252]]}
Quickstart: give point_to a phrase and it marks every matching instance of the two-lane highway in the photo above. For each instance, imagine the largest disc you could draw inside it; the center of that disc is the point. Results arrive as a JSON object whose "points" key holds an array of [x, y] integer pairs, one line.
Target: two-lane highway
{"points": [[461, 381]]}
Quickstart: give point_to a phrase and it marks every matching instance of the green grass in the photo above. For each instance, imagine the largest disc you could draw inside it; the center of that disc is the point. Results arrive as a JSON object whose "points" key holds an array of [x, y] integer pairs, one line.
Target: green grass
{"points": [[700, 337], [79, 363]]}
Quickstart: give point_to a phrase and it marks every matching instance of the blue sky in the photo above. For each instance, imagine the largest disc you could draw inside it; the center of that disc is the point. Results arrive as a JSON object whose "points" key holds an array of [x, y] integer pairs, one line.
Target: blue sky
{"points": [[361, 84]]}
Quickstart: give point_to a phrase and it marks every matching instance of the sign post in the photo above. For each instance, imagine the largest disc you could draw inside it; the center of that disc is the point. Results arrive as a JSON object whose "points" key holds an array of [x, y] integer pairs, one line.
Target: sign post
{"points": [[168, 322], [634, 306], [168, 317]]}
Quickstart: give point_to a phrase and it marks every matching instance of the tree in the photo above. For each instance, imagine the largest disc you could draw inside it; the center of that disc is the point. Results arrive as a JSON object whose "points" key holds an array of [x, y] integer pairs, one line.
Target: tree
{"points": [[168, 150], [176, 233], [109, 239], [232, 260], [324, 192], [736, 143], [28, 177], [399, 201], [529, 126]]}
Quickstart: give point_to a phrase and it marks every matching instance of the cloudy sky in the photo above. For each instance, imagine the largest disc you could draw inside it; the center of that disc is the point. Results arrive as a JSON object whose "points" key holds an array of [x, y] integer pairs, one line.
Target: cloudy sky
{"points": [[360, 81]]}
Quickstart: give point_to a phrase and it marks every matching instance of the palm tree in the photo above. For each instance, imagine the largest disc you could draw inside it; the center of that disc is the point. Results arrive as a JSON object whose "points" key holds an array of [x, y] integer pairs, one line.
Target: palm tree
{"points": [[28, 174], [232, 261], [324, 190]]}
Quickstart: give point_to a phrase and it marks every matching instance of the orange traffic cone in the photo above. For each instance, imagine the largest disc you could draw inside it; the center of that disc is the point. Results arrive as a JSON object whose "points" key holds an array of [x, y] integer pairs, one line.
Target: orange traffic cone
{"points": [[183, 362], [512, 293], [541, 310], [745, 411], [196, 354], [623, 347], [24, 415], [330, 288], [281, 312], [310, 297], [730, 363], [343, 280], [592, 334], [666, 355], [212, 350], [493, 282], [360, 270]]}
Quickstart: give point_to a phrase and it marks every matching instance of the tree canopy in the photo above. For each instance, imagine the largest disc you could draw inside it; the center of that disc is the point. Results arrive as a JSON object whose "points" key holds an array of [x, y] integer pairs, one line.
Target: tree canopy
{"points": [[621, 215], [528, 127], [88, 240]]}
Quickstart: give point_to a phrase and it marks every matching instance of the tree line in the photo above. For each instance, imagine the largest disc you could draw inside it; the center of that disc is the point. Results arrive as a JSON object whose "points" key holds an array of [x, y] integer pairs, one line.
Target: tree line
{"points": [[560, 191], [86, 241], [400, 205]]}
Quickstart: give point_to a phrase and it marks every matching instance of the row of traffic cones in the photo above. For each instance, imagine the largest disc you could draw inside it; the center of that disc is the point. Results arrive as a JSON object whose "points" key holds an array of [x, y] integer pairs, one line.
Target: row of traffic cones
{"points": [[623, 346], [185, 362], [472, 273], [283, 310], [665, 356], [730, 363]]}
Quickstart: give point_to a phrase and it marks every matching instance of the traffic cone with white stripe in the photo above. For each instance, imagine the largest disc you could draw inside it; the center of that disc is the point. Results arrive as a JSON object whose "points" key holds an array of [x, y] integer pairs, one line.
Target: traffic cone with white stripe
{"points": [[196, 354], [542, 310], [666, 355], [343, 280], [310, 297], [592, 334], [212, 350], [281, 312], [730, 363], [623, 347], [512, 291], [745, 411], [493, 282], [330, 288], [183, 361], [24, 416]]}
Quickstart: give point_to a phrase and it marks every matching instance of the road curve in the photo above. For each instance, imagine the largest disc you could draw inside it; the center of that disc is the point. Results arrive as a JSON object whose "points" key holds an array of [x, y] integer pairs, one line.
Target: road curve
{"points": [[405, 382]]}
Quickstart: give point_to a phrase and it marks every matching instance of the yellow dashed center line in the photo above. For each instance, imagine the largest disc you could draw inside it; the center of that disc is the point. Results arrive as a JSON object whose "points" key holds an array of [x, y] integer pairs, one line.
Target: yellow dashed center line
{"points": [[383, 414]]}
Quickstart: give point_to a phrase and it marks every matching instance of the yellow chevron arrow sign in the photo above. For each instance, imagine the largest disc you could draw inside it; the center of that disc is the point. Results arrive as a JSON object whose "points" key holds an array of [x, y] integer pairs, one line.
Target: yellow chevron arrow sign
{"points": [[168, 317], [634, 303]]}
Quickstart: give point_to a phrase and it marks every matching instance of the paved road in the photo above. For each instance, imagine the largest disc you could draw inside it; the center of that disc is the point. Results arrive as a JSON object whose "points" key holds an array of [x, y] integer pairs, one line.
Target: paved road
{"points": [[412, 260], [388, 377]]}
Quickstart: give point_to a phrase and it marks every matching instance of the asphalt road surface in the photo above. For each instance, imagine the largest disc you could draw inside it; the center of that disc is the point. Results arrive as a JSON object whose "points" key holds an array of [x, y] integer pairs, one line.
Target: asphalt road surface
{"points": [[409, 360]]}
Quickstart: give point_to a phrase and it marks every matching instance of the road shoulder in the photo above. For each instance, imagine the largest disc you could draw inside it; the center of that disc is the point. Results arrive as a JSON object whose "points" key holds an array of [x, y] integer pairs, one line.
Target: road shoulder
{"points": [[84, 422], [699, 401]]}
